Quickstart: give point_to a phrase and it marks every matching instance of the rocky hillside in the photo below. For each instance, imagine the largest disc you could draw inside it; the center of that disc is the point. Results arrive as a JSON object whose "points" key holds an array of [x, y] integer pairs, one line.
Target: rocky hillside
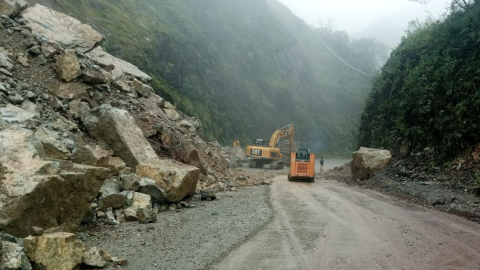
{"points": [[84, 139], [244, 68], [424, 106]]}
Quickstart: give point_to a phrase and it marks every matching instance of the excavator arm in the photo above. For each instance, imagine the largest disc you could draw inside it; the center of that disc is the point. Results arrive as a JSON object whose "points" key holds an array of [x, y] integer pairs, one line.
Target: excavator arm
{"points": [[287, 131]]}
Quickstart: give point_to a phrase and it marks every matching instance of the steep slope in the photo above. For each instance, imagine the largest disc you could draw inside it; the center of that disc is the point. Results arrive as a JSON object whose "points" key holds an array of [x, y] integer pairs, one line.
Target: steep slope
{"points": [[427, 94], [244, 68]]}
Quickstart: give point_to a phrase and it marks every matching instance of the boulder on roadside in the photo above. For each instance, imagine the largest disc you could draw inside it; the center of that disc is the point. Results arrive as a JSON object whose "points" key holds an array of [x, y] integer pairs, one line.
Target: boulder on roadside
{"points": [[55, 251], [12, 257], [150, 187], [138, 201], [67, 66], [367, 161], [12, 8], [43, 193], [176, 179], [96, 257], [117, 128], [49, 25]]}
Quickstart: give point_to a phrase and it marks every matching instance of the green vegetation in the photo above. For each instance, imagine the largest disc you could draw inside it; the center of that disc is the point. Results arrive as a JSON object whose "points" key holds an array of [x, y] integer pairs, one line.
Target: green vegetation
{"points": [[428, 93], [244, 68]]}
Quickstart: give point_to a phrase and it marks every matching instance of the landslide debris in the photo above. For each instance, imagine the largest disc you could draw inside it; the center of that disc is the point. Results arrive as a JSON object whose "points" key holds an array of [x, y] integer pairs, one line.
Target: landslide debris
{"points": [[85, 140]]}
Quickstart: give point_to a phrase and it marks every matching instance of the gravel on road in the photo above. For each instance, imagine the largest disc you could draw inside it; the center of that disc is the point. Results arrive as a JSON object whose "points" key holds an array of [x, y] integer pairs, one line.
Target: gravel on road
{"points": [[192, 238]]}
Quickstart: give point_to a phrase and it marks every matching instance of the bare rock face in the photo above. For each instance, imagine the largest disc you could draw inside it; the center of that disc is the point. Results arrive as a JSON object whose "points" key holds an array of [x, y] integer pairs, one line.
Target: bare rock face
{"points": [[12, 257], [117, 128], [121, 67], [367, 161], [176, 179], [67, 66], [49, 25], [55, 251], [12, 8], [44, 193]]}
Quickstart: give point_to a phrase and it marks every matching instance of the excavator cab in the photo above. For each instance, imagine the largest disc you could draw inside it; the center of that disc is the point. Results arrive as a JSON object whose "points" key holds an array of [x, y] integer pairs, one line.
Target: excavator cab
{"points": [[302, 166]]}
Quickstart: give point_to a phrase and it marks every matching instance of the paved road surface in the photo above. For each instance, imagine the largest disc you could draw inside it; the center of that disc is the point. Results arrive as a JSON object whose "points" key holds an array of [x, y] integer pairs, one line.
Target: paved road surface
{"points": [[328, 225]]}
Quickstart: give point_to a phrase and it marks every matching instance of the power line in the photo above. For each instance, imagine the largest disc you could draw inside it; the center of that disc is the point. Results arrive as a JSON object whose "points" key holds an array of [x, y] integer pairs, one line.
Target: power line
{"points": [[341, 59]]}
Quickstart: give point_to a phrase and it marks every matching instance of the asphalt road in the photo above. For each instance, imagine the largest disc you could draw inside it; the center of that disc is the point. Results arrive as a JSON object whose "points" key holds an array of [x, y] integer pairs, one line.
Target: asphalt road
{"points": [[329, 225]]}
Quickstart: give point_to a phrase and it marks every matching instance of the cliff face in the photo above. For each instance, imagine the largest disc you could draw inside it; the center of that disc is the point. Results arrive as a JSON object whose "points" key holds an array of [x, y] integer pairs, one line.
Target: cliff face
{"points": [[244, 68]]}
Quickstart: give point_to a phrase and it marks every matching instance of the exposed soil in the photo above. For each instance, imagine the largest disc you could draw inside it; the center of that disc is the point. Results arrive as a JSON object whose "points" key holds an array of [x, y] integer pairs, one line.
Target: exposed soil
{"points": [[428, 189]]}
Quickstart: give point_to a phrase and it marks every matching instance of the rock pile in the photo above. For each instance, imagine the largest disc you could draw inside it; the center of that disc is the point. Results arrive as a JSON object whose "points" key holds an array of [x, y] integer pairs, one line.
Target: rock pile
{"points": [[85, 139]]}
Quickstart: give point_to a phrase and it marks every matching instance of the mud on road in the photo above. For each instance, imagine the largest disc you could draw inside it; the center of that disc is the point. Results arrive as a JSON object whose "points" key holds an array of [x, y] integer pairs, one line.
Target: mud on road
{"points": [[329, 225]]}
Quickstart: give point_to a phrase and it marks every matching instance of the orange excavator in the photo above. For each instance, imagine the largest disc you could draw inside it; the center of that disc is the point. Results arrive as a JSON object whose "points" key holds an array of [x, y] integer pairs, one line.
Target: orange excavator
{"points": [[302, 166], [263, 152]]}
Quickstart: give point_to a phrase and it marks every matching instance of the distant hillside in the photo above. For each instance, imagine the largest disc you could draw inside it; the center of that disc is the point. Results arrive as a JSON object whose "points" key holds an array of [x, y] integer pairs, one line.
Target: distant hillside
{"points": [[244, 68], [428, 94]]}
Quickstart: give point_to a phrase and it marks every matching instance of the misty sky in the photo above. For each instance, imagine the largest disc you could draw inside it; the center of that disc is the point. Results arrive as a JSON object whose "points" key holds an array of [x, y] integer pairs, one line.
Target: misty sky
{"points": [[384, 20]]}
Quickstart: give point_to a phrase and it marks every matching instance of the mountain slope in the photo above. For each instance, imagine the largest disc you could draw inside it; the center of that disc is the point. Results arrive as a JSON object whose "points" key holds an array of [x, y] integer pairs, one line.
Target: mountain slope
{"points": [[244, 68]]}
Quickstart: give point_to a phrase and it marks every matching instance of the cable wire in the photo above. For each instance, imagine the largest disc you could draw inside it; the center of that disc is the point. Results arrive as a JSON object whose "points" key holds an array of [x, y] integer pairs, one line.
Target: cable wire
{"points": [[341, 59]]}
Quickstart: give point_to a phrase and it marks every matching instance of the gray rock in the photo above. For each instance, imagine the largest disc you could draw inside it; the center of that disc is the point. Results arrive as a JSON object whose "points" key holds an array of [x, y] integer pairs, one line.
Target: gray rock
{"points": [[12, 257], [111, 186], [16, 99], [37, 231], [148, 186], [12, 8], [208, 194], [130, 182], [145, 216]]}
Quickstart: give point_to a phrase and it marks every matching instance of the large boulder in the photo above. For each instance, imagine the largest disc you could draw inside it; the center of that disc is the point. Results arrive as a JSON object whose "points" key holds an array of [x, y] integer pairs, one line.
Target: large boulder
{"points": [[49, 25], [12, 257], [67, 66], [367, 161], [44, 193], [117, 128], [12, 8], [176, 179], [122, 67], [55, 251]]}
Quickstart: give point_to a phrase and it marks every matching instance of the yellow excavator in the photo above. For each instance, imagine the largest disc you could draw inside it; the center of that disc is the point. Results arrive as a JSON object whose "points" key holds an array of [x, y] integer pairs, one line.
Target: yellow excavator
{"points": [[263, 152]]}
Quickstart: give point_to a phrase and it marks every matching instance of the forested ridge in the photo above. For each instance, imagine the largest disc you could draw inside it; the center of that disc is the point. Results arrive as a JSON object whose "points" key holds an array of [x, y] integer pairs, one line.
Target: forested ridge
{"points": [[428, 94], [244, 68]]}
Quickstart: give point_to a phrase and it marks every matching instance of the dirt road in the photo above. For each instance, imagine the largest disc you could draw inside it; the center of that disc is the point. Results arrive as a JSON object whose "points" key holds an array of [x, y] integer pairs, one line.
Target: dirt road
{"points": [[328, 225]]}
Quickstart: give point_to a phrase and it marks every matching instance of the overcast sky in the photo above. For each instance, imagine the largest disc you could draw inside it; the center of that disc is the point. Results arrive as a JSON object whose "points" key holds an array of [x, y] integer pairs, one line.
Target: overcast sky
{"points": [[384, 20]]}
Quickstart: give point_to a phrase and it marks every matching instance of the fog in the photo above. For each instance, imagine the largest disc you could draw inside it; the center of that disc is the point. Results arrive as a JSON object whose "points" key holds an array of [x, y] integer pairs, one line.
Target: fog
{"points": [[385, 20]]}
